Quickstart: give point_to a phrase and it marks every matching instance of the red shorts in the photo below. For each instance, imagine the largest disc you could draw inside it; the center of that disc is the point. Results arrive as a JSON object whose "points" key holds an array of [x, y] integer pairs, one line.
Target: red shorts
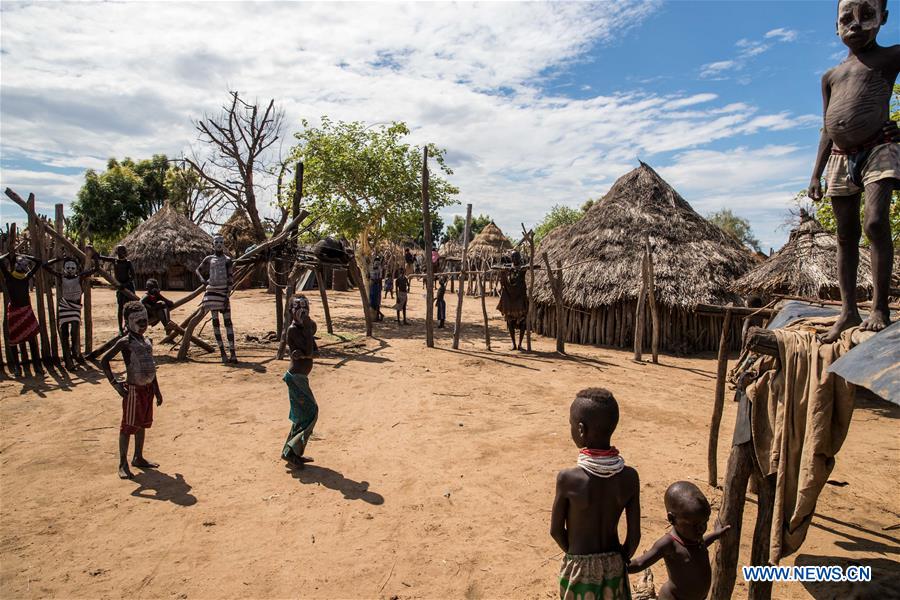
{"points": [[137, 408]]}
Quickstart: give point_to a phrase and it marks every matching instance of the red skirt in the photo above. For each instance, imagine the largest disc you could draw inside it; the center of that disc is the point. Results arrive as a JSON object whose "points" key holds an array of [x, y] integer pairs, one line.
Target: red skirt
{"points": [[137, 408], [23, 325]]}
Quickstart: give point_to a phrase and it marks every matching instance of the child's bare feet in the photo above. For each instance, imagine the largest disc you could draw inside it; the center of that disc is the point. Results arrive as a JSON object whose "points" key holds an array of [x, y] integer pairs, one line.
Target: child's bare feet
{"points": [[876, 321], [844, 322], [125, 472], [233, 358], [143, 463]]}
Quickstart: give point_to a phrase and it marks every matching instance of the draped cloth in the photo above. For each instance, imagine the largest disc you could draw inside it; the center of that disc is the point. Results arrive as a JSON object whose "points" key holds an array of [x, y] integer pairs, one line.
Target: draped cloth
{"points": [[303, 415], [68, 311], [800, 415]]}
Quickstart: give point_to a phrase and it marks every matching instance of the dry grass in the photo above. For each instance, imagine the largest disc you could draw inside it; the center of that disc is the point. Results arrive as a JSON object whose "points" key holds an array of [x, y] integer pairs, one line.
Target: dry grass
{"points": [[695, 261], [167, 239]]}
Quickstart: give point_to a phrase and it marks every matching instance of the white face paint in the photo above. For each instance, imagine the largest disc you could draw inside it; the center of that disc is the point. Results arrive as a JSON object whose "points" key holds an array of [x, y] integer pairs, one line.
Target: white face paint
{"points": [[859, 21], [21, 264], [70, 268], [137, 321], [218, 243]]}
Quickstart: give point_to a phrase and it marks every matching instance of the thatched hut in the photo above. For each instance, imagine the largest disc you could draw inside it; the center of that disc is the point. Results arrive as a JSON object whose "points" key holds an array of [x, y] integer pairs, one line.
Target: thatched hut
{"points": [[806, 266], [695, 262], [489, 245], [168, 247], [238, 233]]}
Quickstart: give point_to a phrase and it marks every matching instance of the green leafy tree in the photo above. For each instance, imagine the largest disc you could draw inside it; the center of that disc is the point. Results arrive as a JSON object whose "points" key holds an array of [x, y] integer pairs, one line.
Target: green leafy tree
{"points": [[365, 181], [558, 215], [735, 226], [109, 204], [437, 226], [455, 229]]}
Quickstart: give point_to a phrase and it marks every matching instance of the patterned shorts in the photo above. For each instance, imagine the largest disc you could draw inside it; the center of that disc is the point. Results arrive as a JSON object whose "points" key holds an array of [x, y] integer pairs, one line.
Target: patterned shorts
{"points": [[883, 163]]}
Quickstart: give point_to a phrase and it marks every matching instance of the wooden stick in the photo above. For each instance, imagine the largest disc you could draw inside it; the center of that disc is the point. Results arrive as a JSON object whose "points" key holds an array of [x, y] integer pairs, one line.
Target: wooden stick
{"points": [[86, 288], [529, 322], [724, 563], [357, 279], [293, 280], [736, 311], [759, 553], [651, 295], [36, 236], [429, 267], [639, 314], [556, 285], [320, 281], [719, 401], [487, 330], [188, 298], [462, 281]]}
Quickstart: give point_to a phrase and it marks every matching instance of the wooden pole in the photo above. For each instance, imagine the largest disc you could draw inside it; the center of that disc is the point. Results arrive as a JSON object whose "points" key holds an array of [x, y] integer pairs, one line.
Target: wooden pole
{"points": [[429, 267], [293, 280], [724, 563], [487, 330], [320, 282], [639, 312], [10, 350], [462, 281], [529, 318], [36, 236], [556, 285], [275, 277], [719, 401], [48, 292], [759, 553], [357, 279], [651, 296]]}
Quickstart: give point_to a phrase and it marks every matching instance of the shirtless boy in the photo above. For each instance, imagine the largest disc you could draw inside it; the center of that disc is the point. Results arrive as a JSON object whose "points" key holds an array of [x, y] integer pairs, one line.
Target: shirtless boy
{"points": [[859, 147], [683, 548], [138, 389], [123, 271], [590, 499]]}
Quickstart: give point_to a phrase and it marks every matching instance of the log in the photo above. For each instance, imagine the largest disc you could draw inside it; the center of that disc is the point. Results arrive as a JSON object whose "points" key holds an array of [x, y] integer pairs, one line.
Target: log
{"points": [[718, 402], [762, 341], [320, 282], [487, 330], [724, 564], [765, 510], [465, 266], [275, 278], [651, 296], [429, 266], [529, 318], [36, 235], [88, 307], [357, 279], [293, 279], [556, 285], [639, 314]]}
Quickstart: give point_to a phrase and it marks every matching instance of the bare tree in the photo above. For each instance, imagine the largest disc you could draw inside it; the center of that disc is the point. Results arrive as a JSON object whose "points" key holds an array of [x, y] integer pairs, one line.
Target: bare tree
{"points": [[238, 139]]}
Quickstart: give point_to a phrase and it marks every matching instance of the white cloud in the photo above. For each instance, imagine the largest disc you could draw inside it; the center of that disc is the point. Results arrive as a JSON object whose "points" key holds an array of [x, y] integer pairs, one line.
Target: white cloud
{"points": [[714, 69], [85, 82], [782, 35]]}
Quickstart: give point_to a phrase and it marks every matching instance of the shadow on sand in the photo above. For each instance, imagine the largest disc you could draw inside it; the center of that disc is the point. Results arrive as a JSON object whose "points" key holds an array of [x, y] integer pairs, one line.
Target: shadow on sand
{"points": [[167, 488], [352, 490]]}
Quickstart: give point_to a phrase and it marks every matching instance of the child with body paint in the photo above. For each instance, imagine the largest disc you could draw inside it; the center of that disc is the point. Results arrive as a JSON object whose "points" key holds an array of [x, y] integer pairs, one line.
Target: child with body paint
{"points": [[68, 307], [138, 389]]}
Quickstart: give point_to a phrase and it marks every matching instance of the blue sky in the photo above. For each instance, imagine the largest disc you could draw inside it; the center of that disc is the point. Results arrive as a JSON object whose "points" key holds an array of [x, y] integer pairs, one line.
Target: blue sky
{"points": [[537, 104]]}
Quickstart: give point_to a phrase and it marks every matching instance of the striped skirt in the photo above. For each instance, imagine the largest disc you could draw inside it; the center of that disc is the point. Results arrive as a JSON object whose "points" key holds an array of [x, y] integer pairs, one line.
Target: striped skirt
{"points": [[68, 311], [23, 325], [216, 298]]}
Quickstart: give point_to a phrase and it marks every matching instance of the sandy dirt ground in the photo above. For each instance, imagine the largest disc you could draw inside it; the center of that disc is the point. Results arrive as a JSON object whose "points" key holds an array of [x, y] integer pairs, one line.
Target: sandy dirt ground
{"points": [[433, 476]]}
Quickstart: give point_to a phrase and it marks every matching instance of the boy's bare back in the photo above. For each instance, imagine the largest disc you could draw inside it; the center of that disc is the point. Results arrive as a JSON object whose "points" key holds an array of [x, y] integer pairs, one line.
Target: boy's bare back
{"points": [[593, 506]]}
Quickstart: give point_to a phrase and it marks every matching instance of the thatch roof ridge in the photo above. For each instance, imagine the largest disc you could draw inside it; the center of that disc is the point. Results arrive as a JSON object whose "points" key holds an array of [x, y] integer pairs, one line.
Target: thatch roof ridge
{"points": [[695, 261], [490, 240], [167, 238], [805, 266]]}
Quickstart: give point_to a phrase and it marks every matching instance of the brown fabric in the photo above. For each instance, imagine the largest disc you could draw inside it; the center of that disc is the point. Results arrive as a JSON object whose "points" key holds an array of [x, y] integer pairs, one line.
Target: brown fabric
{"points": [[800, 415]]}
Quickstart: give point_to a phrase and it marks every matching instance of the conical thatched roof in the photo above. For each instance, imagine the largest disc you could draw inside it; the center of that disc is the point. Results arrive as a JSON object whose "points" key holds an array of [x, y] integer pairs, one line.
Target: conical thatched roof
{"points": [[489, 245], [166, 239], [694, 261], [238, 233], [806, 266]]}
